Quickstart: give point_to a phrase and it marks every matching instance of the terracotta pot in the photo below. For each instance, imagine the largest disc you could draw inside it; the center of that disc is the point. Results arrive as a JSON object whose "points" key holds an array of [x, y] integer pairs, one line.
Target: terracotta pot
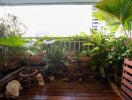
{"points": [[84, 62], [34, 72], [84, 59]]}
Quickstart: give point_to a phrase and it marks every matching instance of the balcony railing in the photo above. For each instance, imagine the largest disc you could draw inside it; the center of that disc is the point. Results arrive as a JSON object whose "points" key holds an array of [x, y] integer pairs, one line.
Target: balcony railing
{"points": [[70, 46]]}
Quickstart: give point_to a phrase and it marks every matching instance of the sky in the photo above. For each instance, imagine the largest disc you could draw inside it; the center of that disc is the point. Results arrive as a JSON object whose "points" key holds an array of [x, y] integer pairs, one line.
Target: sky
{"points": [[52, 20]]}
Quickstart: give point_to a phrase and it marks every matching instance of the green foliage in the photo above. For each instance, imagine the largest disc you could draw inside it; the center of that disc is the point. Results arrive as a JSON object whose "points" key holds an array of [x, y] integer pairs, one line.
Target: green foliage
{"points": [[117, 12], [84, 53], [117, 15], [34, 45], [112, 23], [80, 37], [55, 56], [10, 38], [12, 41], [121, 9], [98, 42], [99, 46], [117, 54], [10, 46], [117, 50], [128, 53]]}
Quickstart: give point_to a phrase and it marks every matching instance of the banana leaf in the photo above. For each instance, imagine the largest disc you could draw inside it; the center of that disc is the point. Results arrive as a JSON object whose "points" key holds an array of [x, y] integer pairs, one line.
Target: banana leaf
{"points": [[13, 41]]}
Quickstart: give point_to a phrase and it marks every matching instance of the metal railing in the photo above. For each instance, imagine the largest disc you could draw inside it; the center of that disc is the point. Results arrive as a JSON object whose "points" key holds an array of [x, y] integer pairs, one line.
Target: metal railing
{"points": [[70, 46]]}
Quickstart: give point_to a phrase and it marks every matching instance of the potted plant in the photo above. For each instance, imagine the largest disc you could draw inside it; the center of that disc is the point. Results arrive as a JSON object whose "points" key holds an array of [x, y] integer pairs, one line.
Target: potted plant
{"points": [[29, 53], [116, 56], [119, 12], [99, 47], [55, 61], [84, 57], [10, 42], [10, 32]]}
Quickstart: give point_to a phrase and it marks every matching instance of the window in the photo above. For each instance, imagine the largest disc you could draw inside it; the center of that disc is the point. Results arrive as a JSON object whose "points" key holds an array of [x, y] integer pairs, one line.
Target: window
{"points": [[55, 20], [95, 22]]}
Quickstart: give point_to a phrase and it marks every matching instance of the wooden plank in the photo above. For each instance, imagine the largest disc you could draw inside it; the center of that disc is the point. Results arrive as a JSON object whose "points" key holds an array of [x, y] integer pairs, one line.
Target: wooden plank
{"points": [[125, 97], [127, 91], [128, 77], [94, 91], [128, 69], [128, 84], [116, 89], [128, 62]]}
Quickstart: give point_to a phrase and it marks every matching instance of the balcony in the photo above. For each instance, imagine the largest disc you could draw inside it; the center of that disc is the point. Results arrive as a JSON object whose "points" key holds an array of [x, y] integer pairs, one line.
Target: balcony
{"points": [[95, 66]]}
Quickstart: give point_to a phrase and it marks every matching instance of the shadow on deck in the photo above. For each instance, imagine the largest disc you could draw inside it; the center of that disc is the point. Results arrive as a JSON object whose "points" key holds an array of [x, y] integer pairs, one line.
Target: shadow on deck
{"points": [[59, 90]]}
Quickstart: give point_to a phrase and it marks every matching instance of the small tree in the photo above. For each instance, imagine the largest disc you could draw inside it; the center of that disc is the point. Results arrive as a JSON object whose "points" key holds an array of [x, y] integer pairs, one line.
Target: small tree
{"points": [[10, 32], [118, 13]]}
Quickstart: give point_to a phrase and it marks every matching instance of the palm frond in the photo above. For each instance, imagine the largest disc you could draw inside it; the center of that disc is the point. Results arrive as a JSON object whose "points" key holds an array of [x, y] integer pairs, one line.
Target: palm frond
{"points": [[121, 9]]}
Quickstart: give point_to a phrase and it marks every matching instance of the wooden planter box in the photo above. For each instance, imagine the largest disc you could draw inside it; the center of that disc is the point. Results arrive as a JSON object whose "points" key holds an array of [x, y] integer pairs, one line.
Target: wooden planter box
{"points": [[126, 84]]}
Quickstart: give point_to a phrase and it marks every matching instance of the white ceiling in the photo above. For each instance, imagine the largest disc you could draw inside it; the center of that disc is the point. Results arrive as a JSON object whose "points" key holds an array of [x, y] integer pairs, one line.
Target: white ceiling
{"points": [[45, 2]]}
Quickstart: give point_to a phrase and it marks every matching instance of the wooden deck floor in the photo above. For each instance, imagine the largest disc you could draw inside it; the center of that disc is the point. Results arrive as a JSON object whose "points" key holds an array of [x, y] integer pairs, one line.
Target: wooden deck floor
{"points": [[59, 90]]}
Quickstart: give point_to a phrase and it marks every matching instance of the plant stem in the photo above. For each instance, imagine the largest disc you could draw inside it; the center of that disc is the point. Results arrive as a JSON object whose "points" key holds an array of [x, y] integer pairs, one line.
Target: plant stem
{"points": [[125, 31]]}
